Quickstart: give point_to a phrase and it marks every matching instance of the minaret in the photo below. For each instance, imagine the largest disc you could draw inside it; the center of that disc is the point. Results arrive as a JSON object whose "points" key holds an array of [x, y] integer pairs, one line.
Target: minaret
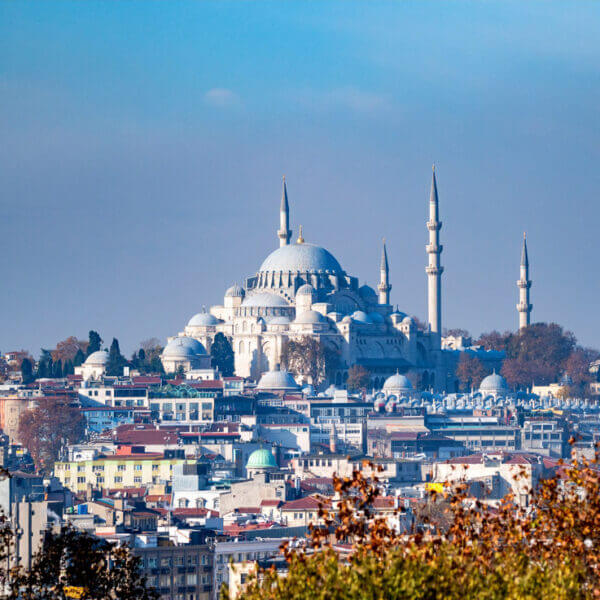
{"points": [[284, 232], [434, 270], [524, 284], [384, 286]]}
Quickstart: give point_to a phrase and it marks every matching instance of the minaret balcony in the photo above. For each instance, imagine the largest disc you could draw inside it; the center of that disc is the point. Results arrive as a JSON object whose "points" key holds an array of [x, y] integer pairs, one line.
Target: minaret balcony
{"points": [[524, 307], [524, 283], [434, 225], [434, 270], [434, 248]]}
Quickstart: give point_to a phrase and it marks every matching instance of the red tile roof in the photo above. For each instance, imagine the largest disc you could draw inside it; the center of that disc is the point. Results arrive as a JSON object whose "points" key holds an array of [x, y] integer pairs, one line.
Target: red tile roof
{"points": [[308, 503]]}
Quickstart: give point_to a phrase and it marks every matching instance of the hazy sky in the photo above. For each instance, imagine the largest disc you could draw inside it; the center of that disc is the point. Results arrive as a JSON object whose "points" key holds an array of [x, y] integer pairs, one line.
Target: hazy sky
{"points": [[142, 146]]}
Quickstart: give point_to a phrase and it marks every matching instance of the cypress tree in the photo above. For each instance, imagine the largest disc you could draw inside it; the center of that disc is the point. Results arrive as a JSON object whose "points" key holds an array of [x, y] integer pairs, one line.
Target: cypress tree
{"points": [[222, 355], [78, 358], [95, 342], [27, 371]]}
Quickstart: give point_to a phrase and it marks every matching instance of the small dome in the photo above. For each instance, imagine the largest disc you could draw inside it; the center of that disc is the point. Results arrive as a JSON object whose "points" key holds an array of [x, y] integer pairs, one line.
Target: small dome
{"points": [[183, 347], [309, 317], [347, 319], [203, 319], [367, 292], [493, 383], [277, 380], [361, 316], [305, 290], [261, 459], [235, 291], [265, 300], [397, 382], [303, 258], [98, 358], [376, 317], [408, 321]]}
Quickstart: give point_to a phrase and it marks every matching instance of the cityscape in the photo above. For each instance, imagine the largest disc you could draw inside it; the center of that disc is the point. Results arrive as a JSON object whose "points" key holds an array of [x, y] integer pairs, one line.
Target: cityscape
{"points": [[318, 432]]}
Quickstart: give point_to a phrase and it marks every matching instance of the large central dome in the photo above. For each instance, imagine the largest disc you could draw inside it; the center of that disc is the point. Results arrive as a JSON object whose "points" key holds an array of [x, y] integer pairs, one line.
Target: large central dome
{"points": [[303, 258]]}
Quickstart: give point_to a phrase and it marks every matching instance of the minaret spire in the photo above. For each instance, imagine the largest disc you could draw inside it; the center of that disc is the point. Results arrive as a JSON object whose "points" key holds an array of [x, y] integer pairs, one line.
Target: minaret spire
{"points": [[384, 286], [284, 232], [434, 269], [524, 284]]}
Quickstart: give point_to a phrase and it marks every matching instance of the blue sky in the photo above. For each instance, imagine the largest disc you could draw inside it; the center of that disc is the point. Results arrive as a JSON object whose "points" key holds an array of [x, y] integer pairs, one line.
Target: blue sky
{"points": [[143, 145]]}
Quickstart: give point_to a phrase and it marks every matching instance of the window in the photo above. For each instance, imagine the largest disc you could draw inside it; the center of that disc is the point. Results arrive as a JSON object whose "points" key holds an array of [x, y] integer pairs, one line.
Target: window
{"points": [[138, 467], [81, 480], [137, 480], [155, 467], [190, 579], [121, 467], [152, 562], [165, 562], [118, 479], [179, 561]]}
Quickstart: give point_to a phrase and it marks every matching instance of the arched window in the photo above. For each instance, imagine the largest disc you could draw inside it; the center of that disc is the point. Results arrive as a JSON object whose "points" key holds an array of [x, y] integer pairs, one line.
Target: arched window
{"points": [[241, 348]]}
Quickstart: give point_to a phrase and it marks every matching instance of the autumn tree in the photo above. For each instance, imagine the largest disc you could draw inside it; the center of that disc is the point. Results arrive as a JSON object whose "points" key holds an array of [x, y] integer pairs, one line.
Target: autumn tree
{"points": [[222, 355], [549, 549], [456, 332], [359, 378], [44, 429], [470, 371], [577, 368], [67, 349], [311, 359]]}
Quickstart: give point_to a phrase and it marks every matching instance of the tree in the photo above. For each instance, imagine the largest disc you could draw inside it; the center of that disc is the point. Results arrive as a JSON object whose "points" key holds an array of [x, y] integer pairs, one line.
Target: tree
{"points": [[358, 378], [69, 558], [535, 354], [470, 371], [79, 358], [45, 365], [577, 368], [310, 359], [94, 344], [457, 332], [222, 355], [547, 550], [57, 369], [27, 371], [116, 361], [43, 430], [68, 348], [494, 340]]}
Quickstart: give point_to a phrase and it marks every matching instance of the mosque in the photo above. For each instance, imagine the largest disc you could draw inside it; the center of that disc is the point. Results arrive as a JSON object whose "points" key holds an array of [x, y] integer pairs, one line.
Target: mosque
{"points": [[301, 289]]}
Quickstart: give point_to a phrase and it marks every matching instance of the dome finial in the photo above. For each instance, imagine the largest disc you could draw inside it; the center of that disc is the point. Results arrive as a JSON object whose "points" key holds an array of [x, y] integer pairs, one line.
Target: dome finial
{"points": [[300, 239]]}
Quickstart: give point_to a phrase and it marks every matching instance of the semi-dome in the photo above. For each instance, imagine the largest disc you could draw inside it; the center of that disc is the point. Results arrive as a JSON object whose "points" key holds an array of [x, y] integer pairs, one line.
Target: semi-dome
{"points": [[235, 291], [277, 380], [408, 321], [183, 347], [361, 316], [281, 320], [397, 382], [309, 317], [261, 459], [305, 290], [302, 258], [493, 384], [99, 358], [265, 300], [203, 319]]}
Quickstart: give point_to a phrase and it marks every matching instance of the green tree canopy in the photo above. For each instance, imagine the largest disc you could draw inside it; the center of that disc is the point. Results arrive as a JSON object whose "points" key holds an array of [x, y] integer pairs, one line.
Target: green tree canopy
{"points": [[94, 343], [27, 371], [222, 355], [116, 361]]}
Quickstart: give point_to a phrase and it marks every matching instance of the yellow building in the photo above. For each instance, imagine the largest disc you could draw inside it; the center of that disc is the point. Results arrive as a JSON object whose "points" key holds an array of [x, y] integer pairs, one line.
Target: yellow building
{"points": [[128, 467]]}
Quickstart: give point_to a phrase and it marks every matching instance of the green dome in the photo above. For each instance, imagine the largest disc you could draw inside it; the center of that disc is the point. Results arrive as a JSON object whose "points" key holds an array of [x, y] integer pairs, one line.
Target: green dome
{"points": [[261, 459]]}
